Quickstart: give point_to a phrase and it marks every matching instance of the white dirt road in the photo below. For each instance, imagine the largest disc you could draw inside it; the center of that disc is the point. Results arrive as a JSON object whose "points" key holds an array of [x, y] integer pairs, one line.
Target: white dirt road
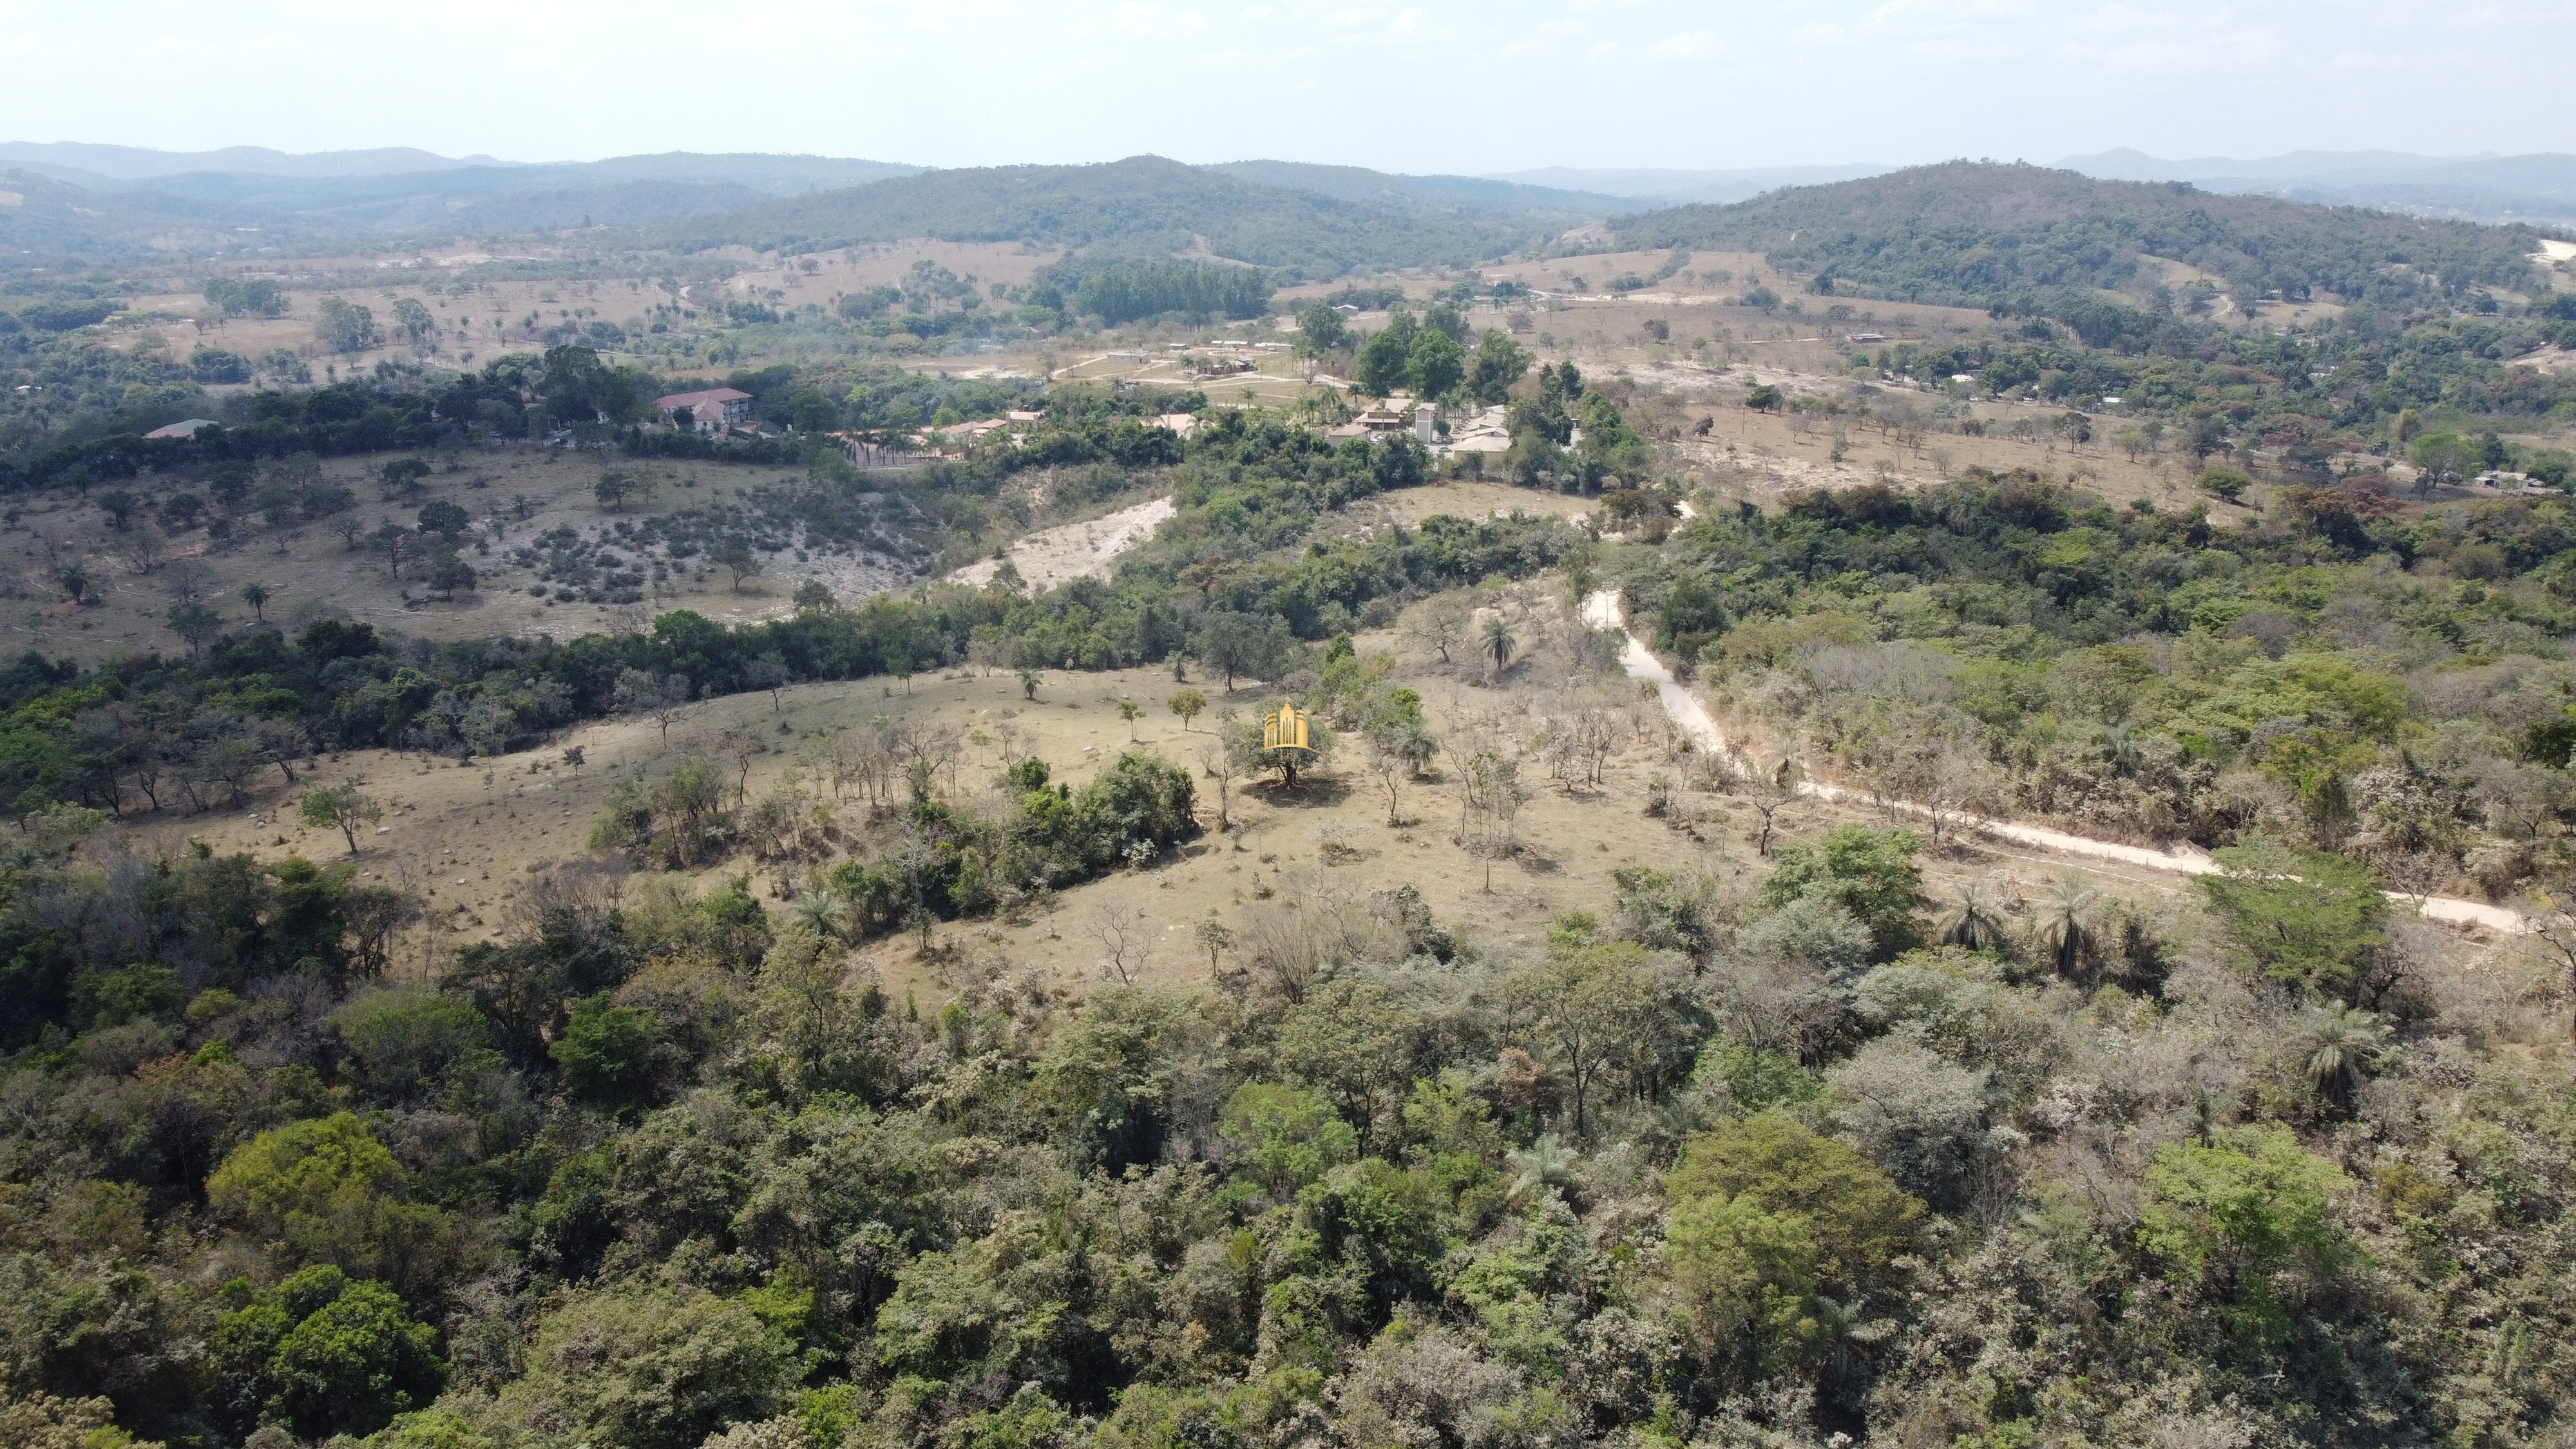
{"points": [[1601, 611]]}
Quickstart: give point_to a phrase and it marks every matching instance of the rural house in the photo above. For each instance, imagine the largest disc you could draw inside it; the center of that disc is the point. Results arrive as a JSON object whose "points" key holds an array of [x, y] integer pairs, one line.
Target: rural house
{"points": [[708, 410]]}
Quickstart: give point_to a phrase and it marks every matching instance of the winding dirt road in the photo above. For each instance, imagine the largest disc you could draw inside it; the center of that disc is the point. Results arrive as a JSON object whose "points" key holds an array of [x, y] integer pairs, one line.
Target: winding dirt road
{"points": [[1601, 611]]}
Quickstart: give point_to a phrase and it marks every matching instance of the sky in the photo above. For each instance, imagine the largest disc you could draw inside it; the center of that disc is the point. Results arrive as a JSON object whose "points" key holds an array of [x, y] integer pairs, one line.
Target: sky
{"points": [[1437, 87]]}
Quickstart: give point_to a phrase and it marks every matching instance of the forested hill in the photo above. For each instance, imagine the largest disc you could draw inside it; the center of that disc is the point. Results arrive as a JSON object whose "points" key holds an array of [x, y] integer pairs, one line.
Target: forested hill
{"points": [[1142, 206], [1966, 232]]}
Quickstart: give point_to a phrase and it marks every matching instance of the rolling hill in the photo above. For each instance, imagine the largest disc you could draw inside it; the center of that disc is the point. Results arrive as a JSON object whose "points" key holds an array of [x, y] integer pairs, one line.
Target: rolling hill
{"points": [[1967, 232], [122, 199], [1645, 188], [41, 218], [2540, 187], [1358, 183], [1141, 206]]}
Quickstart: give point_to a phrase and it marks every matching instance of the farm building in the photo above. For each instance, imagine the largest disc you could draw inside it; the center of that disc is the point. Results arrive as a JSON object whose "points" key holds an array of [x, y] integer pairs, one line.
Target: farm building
{"points": [[709, 410]]}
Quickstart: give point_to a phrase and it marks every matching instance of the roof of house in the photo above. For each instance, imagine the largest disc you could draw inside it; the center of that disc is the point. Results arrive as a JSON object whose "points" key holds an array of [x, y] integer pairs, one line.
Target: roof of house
{"points": [[187, 429], [702, 395]]}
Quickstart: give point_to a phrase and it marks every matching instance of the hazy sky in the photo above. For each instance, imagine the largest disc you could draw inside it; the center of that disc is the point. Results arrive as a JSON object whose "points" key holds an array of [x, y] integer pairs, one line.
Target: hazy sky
{"points": [[1428, 87]]}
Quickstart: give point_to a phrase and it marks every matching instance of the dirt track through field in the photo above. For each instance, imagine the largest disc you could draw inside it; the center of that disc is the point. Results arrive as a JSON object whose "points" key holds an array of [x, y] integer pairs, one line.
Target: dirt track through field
{"points": [[1601, 611]]}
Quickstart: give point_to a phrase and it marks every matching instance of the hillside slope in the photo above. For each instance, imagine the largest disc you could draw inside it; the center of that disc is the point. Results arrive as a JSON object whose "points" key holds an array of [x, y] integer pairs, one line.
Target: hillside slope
{"points": [[42, 217], [1358, 183], [1966, 232], [1141, 206]]}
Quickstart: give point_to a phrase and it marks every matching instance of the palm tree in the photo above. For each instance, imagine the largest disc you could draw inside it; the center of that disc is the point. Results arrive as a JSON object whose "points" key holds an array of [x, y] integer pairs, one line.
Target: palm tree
{"points": [[2341, 1042], [823, 909], [256, 595], [1498, 642], [1546, 1164], [1973, 923], [2066, 924]]}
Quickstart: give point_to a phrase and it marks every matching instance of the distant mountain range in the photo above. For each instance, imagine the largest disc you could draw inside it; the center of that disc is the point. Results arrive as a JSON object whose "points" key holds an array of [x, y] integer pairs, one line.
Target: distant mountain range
{"points": [[135, 163], [73, 198], [2538, 188]]}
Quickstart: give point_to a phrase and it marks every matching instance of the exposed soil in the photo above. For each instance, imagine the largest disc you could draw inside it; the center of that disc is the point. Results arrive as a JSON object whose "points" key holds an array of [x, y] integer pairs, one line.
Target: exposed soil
{"points": [[1052, 556]]}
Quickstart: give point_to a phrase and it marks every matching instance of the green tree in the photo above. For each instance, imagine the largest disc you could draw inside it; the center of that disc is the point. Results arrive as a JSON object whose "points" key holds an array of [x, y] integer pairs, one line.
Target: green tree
{"points": [[1435, 363], [2301, 917], [576, 389], [1111, 1076], [650, 1367], [1590, 1003], [1320, 330], [326, 1191], [616, 487], [344, 326], [339, 807], [1870, 873], [738, 560], [1497, 643], [326, 1355], [1385, 363], [2250, 1218], [448, 572], [1353, 1042], [1749, 1278], [413, 320], [401, 1040], [812, 412], [1284, 1138], [1499, 362], [2446, 457], [444, 518], [256, 595], [402, 476], [1189, 704], [1859, 1221], [605, 1054], [195, 623], [1252, 757]]}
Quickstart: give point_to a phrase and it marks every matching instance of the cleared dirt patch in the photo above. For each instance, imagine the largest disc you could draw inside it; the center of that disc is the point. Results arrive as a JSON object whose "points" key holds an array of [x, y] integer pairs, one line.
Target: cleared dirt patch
{"points": [[1070, 551]]}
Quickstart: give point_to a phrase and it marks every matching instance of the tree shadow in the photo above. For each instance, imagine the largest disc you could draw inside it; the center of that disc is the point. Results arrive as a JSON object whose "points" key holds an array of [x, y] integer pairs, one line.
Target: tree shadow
{"points": [[1309, 790]]}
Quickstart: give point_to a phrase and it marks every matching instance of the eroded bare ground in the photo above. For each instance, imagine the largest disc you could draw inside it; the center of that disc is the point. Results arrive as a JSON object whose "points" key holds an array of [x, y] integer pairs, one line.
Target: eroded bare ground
{"points": [[1069, 551]]}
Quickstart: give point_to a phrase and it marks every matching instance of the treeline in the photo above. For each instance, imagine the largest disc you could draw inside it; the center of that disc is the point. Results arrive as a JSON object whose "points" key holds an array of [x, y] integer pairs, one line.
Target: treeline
{"points": [[1125, 291], [396, 410]]}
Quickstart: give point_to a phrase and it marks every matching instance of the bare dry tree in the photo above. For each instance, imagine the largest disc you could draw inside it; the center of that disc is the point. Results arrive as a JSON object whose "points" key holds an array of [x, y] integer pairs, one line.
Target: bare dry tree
{"points": [[1221, 766], [1769, 786], [1125, 942], [1389, 768]]}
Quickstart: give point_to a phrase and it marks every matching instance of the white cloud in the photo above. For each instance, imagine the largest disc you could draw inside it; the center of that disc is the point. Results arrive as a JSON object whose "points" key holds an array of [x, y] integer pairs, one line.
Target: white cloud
{"points": [[1690, 45]]}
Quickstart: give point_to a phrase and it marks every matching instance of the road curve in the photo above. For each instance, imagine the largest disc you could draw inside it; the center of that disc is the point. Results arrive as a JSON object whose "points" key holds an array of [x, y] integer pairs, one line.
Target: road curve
{"points": [[1601, 611]]}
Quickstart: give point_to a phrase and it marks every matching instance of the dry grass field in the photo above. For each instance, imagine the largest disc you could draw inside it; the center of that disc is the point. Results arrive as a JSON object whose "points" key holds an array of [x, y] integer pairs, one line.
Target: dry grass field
{"points": [[471, 839], [517, 495]]}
